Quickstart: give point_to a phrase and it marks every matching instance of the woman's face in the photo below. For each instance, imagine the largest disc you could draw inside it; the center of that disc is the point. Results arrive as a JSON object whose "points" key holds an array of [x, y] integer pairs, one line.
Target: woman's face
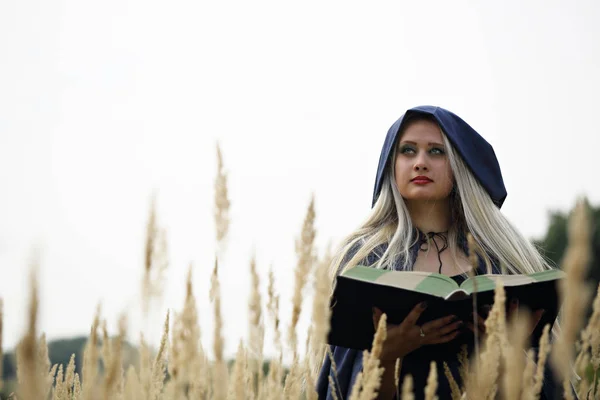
{"points": [[422, 168]]}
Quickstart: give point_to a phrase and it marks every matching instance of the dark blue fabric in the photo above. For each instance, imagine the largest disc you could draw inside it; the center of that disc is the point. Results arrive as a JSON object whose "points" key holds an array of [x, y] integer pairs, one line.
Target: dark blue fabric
{"points": [[477, 153]]}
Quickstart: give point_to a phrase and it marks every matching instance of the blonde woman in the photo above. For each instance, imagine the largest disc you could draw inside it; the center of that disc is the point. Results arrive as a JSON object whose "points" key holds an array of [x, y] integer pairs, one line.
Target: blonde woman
{"points": [[437, 180]]}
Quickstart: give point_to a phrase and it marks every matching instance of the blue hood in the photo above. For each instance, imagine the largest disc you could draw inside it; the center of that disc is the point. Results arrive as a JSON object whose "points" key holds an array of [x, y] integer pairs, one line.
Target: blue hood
{"points": [[475, 151]]}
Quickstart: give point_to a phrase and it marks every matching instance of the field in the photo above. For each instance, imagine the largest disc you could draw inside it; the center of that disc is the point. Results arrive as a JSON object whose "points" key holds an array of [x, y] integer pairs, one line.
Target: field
{"points": [[181, 369]]}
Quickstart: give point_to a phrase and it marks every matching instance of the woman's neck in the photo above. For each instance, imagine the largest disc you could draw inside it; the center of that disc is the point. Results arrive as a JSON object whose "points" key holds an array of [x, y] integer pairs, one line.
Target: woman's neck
{"points": [[430, 217]]}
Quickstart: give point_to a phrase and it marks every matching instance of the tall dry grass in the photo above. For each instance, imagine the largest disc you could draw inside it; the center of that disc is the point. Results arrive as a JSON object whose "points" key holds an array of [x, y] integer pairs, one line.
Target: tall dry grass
{"points": [[182, 369], [222, 204], [156, 258]]}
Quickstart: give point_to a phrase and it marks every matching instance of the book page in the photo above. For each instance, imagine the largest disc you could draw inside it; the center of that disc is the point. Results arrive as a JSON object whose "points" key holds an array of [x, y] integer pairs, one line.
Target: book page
{"points": [[488, 281], [417, 281], [458, 294]]}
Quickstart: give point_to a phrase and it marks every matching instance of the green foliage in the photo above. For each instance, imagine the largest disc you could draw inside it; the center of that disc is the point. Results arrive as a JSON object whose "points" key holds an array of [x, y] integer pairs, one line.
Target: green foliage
{"points": [[59, 352], [554, 243]]}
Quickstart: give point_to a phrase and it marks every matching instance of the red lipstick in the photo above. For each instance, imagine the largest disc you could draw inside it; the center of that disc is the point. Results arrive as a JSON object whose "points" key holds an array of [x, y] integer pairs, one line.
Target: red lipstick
{"points": [[421, 180]]}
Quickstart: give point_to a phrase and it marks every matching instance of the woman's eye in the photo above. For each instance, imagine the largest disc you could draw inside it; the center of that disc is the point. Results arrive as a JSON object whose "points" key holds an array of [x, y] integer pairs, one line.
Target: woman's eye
{"points": [[437, 150], [406, 150]]}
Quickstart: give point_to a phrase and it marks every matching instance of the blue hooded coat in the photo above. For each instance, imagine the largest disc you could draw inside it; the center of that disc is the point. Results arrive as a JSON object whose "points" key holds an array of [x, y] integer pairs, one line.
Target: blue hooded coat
{"points": [[479, 156]]}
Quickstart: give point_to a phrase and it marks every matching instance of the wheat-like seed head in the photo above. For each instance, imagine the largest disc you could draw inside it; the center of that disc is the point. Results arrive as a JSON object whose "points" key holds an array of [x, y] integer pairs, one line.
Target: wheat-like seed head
{"points": [[527, 384], [407, 388], [256, 327], [145, 380], [574, 292], [105, 348], [463, 360], [113, 374], [133, 388], [273, 309], [455, 390], [321, 313], [90, 360], [50, 381], [397, 367], [292, 386], [219, 377], [590, 341], [306, 258], [156, 259], [368, 380], [274, 389], [222, 203], [544, 350], [513, 356], [60, 389], [151, 233], [70, 377], [237, 388], [432, 383], [30, 369], [77, 387], [594, 333], [333, 387], [483, 384], [159, 365], [310, 392]]}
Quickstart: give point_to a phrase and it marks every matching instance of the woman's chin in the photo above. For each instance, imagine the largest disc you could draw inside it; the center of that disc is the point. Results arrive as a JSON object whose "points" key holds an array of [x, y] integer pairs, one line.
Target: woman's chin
{"points": [[425, 197]]}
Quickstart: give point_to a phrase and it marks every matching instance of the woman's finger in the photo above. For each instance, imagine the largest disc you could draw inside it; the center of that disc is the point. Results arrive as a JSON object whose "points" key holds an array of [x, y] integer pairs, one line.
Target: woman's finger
{"points": [[434, 325], [470, 327], [415, 313], [376, 316], [514, 305], [535, 320], [444, 339], [447, 329], [480, 322], [480, 331]]}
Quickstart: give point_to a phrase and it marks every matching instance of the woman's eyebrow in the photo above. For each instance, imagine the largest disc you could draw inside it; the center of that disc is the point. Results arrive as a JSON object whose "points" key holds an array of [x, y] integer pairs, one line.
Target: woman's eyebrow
{"points": [[414, 143]]}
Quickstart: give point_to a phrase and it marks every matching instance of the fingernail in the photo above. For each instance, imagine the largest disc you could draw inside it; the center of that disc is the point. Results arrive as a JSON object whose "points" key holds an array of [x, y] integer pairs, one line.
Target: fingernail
{"points": [[424, 305]]}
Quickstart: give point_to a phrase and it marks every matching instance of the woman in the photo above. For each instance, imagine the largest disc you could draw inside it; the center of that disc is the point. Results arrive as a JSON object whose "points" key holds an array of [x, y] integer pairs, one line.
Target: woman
{"points": [[437, 179]]}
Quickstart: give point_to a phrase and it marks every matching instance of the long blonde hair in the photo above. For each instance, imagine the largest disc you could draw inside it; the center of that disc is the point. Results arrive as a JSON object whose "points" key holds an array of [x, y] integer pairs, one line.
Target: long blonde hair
{"points": [[388, 228]]}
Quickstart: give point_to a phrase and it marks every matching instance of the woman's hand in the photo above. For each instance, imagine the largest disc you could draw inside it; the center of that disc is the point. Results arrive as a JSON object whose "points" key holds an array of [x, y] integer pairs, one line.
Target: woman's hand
{"points": [[535, 318], [408, 336]]}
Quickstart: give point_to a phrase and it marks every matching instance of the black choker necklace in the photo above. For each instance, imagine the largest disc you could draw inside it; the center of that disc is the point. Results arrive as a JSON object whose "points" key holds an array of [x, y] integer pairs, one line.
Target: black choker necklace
{"points": [[429, 237]]}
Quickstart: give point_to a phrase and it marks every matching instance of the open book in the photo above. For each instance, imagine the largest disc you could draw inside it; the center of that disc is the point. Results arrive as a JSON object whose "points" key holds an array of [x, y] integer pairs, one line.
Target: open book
{"points": [[359, 289]]}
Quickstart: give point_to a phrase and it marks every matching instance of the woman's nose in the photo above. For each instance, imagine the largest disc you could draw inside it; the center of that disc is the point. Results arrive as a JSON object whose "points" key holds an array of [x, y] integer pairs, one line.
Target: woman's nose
{"points": [[420, 164]]}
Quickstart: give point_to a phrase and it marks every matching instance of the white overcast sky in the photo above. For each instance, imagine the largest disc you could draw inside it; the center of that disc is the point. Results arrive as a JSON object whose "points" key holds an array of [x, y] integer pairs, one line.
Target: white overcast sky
{"points": [[102, 102]]}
